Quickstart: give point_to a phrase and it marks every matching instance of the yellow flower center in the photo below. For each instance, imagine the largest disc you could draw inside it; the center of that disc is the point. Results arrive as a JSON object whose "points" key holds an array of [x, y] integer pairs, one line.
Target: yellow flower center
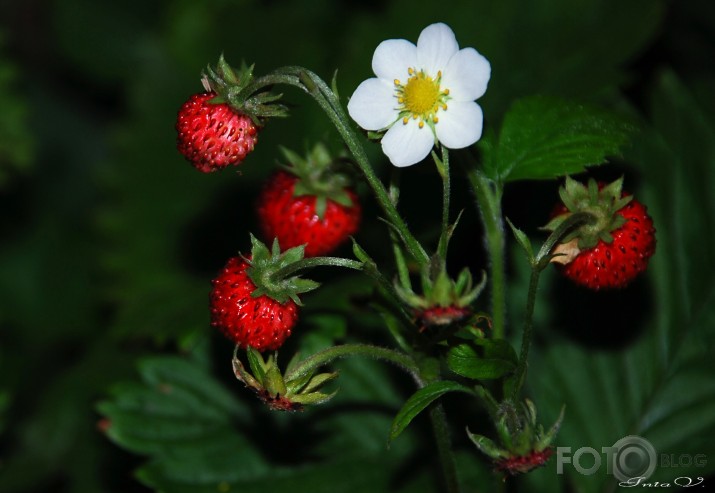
{"points": [[421, 97]]}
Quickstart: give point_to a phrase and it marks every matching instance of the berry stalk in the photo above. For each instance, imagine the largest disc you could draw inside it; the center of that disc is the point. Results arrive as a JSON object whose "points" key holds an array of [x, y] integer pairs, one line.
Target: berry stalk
{"points": [[443, 169], [538, 264], [321, 358]]}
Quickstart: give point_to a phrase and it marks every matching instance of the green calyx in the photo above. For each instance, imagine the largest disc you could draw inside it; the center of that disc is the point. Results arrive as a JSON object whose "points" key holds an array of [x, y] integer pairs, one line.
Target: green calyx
{"points": [[283, 392], [237, 88], [602, 203], [266, 267], [318, 175], [440, 290], [518, 431]]}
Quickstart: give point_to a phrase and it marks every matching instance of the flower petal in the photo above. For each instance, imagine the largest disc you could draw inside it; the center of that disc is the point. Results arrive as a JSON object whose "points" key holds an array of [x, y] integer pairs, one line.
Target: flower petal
{"points": [[392, 58], [373, 104], [435, 46], [408, 144], [466, 75], [461, 125]]}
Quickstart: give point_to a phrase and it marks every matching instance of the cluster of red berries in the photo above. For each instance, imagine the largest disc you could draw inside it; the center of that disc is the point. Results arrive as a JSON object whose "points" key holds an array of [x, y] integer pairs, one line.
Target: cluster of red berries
{"points": [[297, 206]]}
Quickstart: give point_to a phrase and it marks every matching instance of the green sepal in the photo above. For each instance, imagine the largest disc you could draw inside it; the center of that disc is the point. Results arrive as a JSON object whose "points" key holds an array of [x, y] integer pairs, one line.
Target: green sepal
{"points": [[487, 446], [547, 438], [265, 272], [240, 372], [518, 432], [318, 381], [257, 364], [236, 88], [318, 174], [273, 381], [602, 204], [314, 398], [297, 384], [287, 391]]}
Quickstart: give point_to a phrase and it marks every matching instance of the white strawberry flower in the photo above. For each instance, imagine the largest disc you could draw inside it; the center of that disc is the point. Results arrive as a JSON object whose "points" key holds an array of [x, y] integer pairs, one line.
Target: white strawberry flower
{"points": [[422, 94]]}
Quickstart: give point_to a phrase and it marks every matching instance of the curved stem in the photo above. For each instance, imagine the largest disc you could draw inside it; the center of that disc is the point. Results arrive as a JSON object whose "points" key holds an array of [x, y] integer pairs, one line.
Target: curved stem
{"points": [[399, 359], [488, 196], [539, 264], [309, 263], [326, 99]]}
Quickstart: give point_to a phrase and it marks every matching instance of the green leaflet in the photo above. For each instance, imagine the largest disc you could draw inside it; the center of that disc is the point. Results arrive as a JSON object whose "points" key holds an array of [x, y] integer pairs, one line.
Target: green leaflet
{"points": [[543, 138], [420, 400], [498, 359]]}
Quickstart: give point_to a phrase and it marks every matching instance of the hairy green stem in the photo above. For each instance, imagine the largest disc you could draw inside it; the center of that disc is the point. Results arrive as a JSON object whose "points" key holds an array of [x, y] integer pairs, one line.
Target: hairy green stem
{"points": [[520, 372], [540, 262], [443, 168], [309, 263], [488, 196], [444, 447], [321, 358]]}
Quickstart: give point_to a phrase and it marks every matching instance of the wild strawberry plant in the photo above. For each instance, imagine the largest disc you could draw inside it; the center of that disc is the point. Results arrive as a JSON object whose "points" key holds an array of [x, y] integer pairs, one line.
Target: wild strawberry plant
{"points": [[442, 323]]}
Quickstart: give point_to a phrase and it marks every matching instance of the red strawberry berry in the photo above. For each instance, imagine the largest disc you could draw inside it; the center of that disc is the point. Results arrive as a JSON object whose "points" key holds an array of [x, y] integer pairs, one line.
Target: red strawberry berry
{"points": [[616, 247], [309, 204], [261, 322], [213, 136], [294, 219]]}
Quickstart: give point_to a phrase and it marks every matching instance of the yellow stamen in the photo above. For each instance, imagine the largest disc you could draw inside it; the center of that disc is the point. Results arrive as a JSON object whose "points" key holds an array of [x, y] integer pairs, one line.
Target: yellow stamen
{"points": [[422, 124]]}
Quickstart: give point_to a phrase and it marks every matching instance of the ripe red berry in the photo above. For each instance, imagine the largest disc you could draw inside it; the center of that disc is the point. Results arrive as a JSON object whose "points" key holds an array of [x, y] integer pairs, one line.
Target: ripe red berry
{"points": [[295, 220], [213, 136], [261, 322], [614, 255]]}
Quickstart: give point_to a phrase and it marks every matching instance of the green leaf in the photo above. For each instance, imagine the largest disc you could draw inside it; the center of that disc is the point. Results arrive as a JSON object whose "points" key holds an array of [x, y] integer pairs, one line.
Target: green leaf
{"points": [[543, 138], [185, 420], [420, 400], [465, 361], [339, 476]]}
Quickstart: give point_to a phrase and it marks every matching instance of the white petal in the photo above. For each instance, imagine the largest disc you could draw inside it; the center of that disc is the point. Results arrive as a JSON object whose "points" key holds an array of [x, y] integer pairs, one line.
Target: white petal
{"points": [[409, 144], [466, 75], [461, 125], [392, 58], [373, 104], [435, 46]]}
